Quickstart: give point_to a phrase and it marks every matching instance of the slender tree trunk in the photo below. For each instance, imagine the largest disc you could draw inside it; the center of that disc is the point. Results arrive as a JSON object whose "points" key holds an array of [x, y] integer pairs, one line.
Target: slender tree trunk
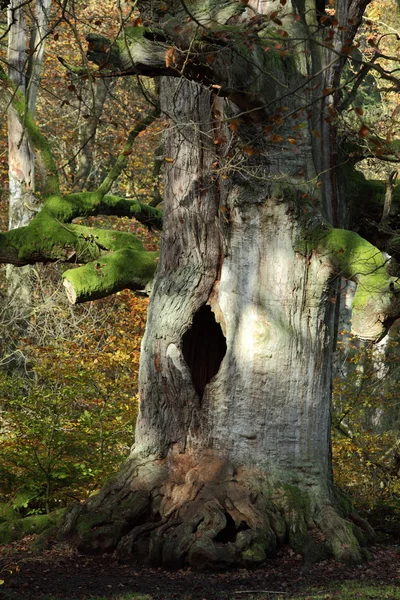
{"points": [[22, 201], [24, 71], [21, 159]]}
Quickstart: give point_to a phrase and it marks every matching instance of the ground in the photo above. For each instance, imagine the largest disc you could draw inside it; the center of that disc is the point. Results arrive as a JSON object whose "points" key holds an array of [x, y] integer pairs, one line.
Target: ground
{"points": [[60, 574]]}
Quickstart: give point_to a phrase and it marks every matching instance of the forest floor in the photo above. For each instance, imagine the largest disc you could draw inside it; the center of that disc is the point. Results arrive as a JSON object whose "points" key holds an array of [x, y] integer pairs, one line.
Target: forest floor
{"points": [[59, 573]]}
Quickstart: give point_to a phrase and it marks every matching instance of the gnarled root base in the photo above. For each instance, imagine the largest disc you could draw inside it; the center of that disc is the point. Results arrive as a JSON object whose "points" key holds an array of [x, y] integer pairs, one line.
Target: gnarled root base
{"points": [[206, 514]]}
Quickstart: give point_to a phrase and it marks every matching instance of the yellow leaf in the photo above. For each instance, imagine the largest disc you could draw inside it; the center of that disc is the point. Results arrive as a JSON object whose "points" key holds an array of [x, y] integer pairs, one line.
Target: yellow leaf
{"points": [[168, 159]]}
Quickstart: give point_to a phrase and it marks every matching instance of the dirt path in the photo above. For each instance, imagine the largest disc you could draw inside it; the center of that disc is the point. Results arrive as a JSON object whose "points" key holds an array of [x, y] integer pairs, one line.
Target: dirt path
{"points": [[66, 575]]}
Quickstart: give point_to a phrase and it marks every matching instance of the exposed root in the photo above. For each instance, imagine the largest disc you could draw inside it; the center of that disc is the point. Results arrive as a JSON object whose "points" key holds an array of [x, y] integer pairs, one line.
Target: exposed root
{"points": [[206, 514]]}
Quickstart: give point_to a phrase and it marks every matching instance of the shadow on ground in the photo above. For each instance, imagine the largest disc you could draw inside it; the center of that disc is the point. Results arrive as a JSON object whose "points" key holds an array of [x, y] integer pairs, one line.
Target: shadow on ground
{"points": [[61, 574]]}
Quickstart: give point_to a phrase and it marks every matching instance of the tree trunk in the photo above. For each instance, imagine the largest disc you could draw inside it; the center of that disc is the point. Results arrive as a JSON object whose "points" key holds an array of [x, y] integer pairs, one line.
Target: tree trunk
{"points": [[24, 71], [21, 175], [232, 452]]}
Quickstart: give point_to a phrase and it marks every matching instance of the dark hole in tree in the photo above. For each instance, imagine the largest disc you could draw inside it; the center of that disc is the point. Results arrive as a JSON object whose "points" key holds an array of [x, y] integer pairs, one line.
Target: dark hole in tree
{"points": [[230, 531], [320, 6], [203, 347]]}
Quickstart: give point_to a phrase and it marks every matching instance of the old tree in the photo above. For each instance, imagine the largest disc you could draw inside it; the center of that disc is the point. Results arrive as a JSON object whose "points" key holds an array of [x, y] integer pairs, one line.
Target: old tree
{"points": [[262, 217]]}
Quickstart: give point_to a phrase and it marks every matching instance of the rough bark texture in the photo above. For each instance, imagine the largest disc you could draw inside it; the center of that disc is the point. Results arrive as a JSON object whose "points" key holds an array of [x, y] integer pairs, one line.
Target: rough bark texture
{"points": [[232, 452]]}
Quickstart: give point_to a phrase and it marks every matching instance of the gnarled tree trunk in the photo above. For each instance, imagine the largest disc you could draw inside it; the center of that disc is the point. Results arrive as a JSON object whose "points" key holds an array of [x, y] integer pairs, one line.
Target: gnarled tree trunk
{"points": [[232, 451]]}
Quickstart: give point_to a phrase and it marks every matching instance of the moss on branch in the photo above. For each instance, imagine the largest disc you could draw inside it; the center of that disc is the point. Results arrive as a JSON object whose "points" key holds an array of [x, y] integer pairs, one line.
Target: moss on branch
{"points": [[113, 260], [85, 204], [208, 51], [122, 159], [126, 268], [377, 299], [47, 239], [121, 207]]}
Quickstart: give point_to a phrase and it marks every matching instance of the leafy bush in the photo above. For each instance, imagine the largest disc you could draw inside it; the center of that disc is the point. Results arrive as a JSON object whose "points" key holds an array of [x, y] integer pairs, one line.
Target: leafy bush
{"points": [[366, 416], [69, 422]]}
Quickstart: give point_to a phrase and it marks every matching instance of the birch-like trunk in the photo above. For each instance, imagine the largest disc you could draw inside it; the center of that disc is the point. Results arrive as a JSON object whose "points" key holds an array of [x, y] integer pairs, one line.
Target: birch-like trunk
{"points": [[24, 66]]}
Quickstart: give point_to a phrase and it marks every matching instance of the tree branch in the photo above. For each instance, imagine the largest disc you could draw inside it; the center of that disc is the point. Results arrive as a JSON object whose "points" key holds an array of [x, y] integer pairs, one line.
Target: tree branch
{"points": [[109, 274], [114, 260], [376, 303], [218, 60], [85, 204], [122, 160]]}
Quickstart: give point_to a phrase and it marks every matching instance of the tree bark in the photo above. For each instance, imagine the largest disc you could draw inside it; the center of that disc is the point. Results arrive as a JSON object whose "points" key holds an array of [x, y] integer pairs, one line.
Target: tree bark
{"points": [[232, 453], [24, 71], [232, 448]]}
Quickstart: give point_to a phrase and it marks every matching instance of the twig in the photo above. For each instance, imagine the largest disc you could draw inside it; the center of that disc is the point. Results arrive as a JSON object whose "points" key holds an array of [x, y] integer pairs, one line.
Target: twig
{"points": [[259, 592]]}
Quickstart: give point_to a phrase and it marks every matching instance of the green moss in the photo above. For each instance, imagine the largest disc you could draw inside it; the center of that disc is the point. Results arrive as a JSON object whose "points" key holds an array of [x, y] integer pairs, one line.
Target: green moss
{"points": [[87, 520], [43, 238], [17, 529], [340, 538], [7, 513], [115, 205], [295, 506], [107, 239], [254, 555], [48, 238], [83, 204], [295, 498], [66, 208], [122, 269], [134, 33], [358, 260], [353, 257]]}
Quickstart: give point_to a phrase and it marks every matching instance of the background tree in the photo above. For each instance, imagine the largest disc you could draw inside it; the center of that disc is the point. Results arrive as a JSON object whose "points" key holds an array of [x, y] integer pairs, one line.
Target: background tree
{"points": [[232, 452], [26, 32], [44, 471]]}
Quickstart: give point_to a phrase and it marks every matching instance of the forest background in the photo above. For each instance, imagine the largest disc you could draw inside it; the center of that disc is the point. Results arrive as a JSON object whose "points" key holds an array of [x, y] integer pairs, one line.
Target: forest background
{"points": [[68, 374]]}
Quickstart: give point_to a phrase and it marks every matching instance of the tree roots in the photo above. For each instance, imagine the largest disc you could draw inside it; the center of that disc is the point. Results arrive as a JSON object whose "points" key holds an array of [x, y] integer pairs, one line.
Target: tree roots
{"points": [[206, 514]]}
